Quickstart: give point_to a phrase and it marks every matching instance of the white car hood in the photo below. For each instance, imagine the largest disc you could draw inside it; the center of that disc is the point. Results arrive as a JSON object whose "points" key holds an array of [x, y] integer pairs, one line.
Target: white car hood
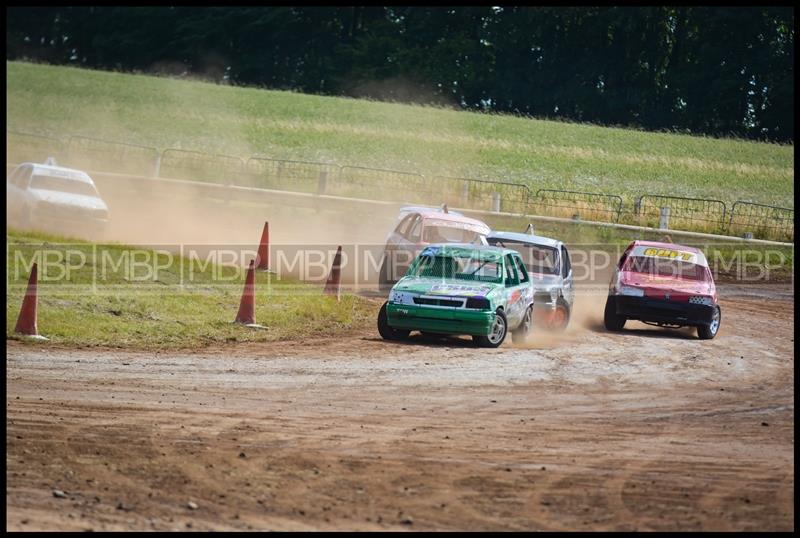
{"points": [[67, 198]]}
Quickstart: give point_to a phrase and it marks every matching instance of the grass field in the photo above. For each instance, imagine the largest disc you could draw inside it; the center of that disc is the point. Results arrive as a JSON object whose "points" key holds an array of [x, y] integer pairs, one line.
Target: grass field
{"points": [[102, 302], [188, 114]]}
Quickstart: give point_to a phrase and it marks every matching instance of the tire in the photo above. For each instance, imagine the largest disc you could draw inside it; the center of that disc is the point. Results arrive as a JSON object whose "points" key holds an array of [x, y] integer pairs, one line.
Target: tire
{"points": [[498, 334], [562, 317], [707, 332], [612, 321], [521, 334], [386, 331]]}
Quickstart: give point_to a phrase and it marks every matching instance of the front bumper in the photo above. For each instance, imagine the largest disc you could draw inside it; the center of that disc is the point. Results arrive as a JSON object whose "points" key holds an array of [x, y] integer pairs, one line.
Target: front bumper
{"points": [[440, 320], [69, 223], [661, 311]]}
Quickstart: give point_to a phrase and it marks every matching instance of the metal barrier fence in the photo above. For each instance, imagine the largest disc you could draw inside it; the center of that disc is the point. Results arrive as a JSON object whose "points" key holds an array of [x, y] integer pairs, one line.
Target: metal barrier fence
{"points": [[698, 214], [482, 194], [95, 154], [296, 176], [33, 147], [584, 205], [198, 166], [383, 184], [763, 221]]}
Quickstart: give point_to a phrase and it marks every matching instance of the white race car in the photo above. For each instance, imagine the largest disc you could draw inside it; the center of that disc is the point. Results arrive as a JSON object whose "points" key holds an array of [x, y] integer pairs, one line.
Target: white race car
{"points": [[53, 198]]}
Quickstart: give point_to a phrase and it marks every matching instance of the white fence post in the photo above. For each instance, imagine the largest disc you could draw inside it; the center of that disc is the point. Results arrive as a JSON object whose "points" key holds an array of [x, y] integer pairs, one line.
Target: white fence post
{"points": [[663, 223], [496, 202]]}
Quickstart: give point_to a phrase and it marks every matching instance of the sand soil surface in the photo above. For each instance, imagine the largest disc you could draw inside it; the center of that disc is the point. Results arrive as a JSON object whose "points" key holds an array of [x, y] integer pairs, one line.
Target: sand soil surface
{"points": [[647, 429]]}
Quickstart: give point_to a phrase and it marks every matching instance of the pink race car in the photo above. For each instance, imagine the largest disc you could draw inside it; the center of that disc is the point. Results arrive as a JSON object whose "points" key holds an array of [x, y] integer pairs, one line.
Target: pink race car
{"points": [[666, 285]]}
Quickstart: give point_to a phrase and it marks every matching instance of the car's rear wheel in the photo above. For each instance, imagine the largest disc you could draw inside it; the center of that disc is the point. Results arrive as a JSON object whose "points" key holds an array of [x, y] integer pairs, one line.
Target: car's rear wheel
{"points": [[497, 333], [707, 332], [611, 319], [521, 334], [386, 331]]}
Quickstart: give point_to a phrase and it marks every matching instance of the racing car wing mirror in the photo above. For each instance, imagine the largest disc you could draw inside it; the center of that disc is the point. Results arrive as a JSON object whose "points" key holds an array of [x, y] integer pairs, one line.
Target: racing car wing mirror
{"points": [[529, 229]]}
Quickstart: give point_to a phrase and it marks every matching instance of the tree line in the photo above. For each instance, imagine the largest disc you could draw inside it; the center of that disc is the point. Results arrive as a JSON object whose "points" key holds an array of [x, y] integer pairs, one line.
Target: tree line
{"points": [[720, 71]]}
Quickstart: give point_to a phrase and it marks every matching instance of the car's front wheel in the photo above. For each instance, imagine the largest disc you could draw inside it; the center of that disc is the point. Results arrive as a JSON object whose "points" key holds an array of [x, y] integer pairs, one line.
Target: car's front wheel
{"points": [[497, 333], [560, 319], [707, 332], [521, 334], [611, 319], [386, 331]]}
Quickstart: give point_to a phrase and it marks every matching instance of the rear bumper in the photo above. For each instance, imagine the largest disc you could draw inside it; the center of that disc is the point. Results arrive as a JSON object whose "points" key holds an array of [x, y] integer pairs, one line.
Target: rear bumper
{"points": [[440, 320], [661, 311]]}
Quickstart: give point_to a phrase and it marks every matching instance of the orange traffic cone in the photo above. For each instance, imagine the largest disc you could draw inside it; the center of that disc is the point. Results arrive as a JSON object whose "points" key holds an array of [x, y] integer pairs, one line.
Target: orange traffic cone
{"points": [[262, 260], [332, 285], [247, 307], [26, 323]]}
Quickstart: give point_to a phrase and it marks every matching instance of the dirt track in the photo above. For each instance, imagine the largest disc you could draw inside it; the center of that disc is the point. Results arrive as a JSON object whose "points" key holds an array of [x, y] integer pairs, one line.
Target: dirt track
{"points": [[648, 429]]}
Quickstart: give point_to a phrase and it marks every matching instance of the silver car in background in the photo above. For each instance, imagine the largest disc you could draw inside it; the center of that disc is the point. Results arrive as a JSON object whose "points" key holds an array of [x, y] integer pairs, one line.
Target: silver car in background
{"points": [[53, 198], [549, 265]]}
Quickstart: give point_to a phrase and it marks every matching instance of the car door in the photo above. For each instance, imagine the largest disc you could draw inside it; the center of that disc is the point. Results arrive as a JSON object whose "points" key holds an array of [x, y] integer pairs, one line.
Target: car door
{"points": [[525, 282], [568, 286], [515, 300]]}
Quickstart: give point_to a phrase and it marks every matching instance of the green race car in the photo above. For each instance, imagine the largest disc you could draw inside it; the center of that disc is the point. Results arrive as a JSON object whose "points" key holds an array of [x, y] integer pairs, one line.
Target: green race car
{"points": [[450, 289]]}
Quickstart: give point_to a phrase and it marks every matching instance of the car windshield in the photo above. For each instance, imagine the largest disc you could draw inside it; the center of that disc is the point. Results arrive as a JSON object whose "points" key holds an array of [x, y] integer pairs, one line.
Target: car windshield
{"points": [[537, 258], [458, 267], [437, 231], [62, 184], [665, 267]]}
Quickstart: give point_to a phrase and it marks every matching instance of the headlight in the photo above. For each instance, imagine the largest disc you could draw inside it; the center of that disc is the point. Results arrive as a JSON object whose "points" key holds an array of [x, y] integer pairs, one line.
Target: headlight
{"points": [[401, 297], [633, 292], [478, 303], [700, 299]]}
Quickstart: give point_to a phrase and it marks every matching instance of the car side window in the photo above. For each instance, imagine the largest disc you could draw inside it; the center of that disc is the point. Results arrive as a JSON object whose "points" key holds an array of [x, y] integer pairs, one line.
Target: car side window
{"points": [[19, 177], [523, 273], [416, 230], [511, 272], [402, 228], [565, 266], [623, 258]]}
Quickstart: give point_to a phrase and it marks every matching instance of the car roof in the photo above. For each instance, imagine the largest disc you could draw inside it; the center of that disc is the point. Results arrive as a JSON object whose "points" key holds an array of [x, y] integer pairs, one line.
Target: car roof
{"points": [[453, 217], [525, 238], [424, 209], [60, 171], [643, 243], [469, 248]]}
